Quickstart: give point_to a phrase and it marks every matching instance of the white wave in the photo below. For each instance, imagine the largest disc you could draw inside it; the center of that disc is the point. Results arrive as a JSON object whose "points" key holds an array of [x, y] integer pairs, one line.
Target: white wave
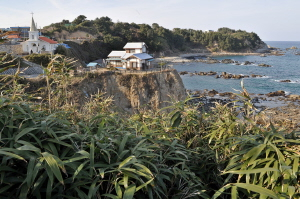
{"points": [[264, 77]]}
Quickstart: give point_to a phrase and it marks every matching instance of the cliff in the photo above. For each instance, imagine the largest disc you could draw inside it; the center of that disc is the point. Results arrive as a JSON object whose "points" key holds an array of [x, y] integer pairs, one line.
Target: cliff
{"points": [[132, 91]]}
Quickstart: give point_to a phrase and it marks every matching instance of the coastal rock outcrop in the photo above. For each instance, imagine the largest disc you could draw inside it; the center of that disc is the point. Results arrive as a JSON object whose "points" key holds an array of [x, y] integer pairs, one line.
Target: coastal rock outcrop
{"points": [[294, 97], [228, 61], [212, 93], [248, 63], [286, 80], [276, 93], [264, 65]]}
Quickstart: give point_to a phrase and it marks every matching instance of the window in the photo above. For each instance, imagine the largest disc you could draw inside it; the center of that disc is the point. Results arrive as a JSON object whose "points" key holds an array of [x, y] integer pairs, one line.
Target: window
{"points": [[132, 51], [32, 36]]}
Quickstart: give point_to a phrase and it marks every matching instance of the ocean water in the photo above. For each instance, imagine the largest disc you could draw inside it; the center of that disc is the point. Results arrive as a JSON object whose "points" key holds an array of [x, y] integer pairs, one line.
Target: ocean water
{"points": [[285, 67]]}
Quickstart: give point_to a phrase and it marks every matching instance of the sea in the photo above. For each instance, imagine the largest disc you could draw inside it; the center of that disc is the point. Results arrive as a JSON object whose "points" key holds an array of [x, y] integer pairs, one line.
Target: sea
{"points": [[285, 67]]}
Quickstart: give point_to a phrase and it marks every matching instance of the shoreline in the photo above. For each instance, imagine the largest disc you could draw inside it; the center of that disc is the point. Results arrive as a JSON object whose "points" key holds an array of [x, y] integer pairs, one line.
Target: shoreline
{"points": [[280, 110], [186, 58]]}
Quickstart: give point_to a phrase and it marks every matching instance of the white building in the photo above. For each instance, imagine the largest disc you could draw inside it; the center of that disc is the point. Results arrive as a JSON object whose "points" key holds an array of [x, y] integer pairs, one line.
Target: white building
{"points": [[134, 56], [37, 43]]}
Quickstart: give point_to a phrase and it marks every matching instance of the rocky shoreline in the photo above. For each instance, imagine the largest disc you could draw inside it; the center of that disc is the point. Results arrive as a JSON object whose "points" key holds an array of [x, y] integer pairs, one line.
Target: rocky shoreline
{"points": [[277, 106], [196, 57]]}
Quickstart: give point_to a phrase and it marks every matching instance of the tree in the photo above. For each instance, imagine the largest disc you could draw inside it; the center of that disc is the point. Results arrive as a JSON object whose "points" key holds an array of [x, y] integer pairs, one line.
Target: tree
{"points": [[64, 21], [79, 19], [103, 24], [155, 26]]}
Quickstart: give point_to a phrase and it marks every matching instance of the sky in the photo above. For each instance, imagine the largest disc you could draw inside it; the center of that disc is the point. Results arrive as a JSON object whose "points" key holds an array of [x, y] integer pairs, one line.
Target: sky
{"points": [[272, 20]]}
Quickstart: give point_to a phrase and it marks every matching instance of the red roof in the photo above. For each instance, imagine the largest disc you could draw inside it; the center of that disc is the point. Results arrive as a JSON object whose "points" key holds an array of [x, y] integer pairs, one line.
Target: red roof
{"points": [[46, 39], [13, 36]]}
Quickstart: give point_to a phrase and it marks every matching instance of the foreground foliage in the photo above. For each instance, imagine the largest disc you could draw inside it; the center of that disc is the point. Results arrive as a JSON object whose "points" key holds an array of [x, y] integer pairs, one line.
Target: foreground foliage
{"points": [[53, 150]]}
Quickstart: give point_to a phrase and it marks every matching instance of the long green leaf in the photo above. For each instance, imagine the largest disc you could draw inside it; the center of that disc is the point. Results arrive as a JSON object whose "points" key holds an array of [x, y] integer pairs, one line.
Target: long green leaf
{"points": [[53, 164], [24, 132], [111, 196], [126, 161], [11, 155], [257, 189], [129, 192], [252, 171]]}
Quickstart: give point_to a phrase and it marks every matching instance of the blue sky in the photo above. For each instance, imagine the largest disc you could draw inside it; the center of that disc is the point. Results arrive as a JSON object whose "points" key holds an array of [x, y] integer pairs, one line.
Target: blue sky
{"points": [[272, 20]]}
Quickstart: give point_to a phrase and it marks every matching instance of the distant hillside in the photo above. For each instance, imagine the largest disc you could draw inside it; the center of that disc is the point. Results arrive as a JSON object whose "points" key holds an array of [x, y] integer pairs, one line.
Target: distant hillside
{"points": [[161, 41]]}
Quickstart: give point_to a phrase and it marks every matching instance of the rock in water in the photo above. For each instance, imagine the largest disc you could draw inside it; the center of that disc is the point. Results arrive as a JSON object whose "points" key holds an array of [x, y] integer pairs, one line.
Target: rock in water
{"points": [[286, 80], [276, 93], [212, 93]]}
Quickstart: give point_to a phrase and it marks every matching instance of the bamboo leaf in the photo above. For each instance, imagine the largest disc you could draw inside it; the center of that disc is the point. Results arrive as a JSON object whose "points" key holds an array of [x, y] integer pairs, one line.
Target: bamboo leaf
{"points": [[92, 189], [111, 196], [257, 189], [11, 155], [92, 156], [118, 190], [24, 192], [176, 119], [252, 171], [122, 144], [234, 192], [5, 188], [143, 185], [28, 147], [220, 191], [53, 164], [291, 191], [79, 169], [129, 192], [126, 161], [24, 132]]}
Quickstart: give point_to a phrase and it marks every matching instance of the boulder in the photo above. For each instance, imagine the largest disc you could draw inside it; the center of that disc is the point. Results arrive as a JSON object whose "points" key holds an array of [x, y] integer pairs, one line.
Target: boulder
{"points": [[264, 65], [286, 80], [253, 75], [247, 63], [276, 93], [183, 72], [227, 61], [211, 73], [228, 94], [297, 97], [212, 61], [212, 93], [237, 76]]}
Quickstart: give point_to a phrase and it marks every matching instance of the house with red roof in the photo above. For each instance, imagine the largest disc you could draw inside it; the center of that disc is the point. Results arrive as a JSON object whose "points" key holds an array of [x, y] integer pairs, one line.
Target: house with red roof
{"points": [[13, 38], [37, 43], [134, 56]]}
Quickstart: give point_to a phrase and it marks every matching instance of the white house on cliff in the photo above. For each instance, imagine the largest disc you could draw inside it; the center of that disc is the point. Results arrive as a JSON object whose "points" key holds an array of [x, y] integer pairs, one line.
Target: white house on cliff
{"points": [[134, 56], [37, 43]]}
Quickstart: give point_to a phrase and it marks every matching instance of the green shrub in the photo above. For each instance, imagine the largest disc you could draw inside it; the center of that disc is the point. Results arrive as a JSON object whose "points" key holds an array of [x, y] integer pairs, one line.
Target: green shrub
{"points": [[41, 59]]}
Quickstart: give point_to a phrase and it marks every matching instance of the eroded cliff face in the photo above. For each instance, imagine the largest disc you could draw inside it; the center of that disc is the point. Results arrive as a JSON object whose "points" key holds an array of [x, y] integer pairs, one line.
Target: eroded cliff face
{"points": [[131, 92]]}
